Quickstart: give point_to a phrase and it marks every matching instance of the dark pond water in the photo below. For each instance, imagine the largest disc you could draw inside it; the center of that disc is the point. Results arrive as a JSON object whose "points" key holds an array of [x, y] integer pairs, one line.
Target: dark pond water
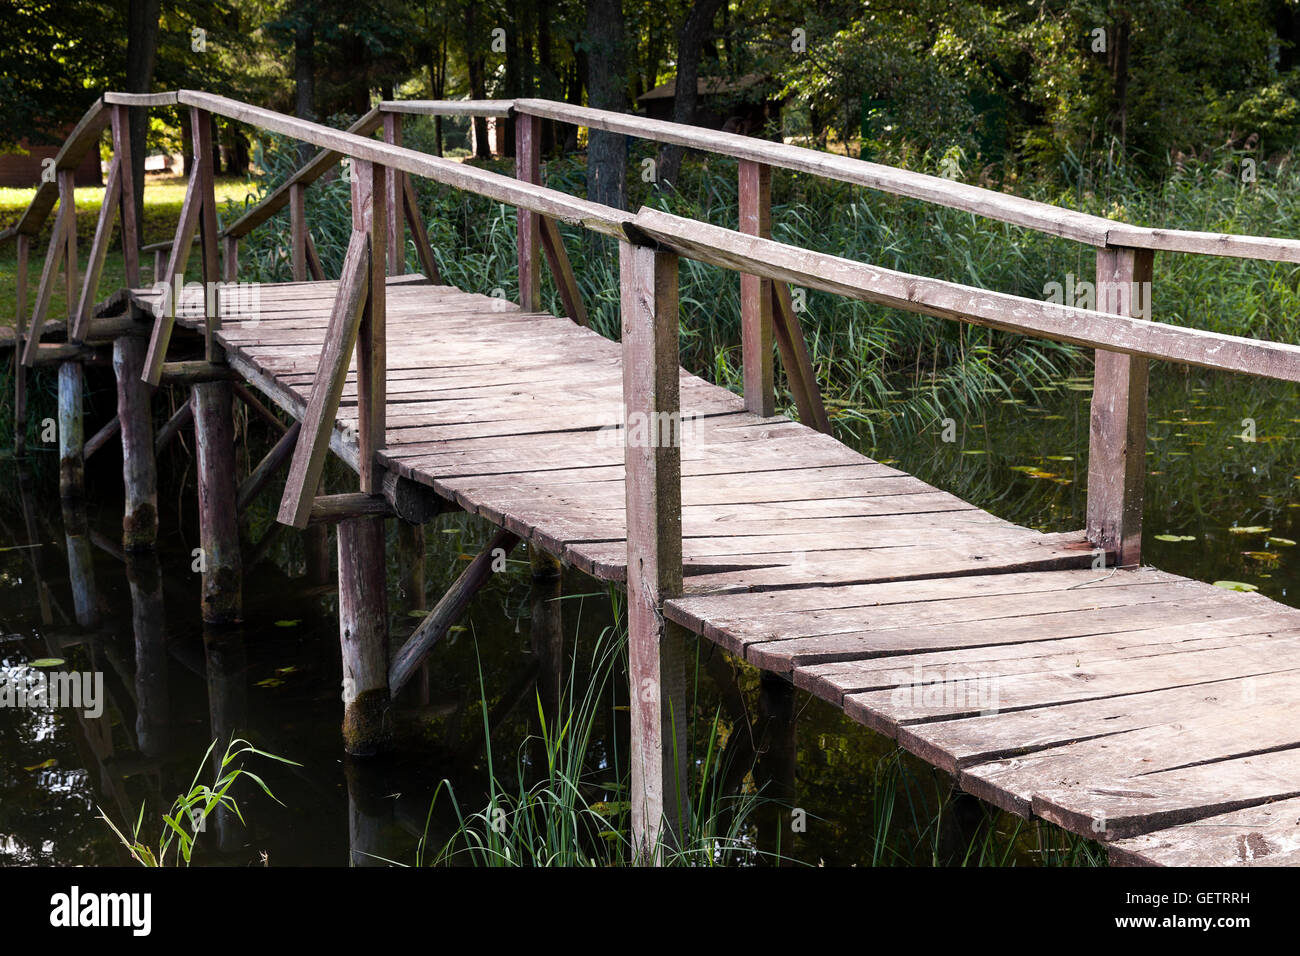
{"points": [[171, 688]]}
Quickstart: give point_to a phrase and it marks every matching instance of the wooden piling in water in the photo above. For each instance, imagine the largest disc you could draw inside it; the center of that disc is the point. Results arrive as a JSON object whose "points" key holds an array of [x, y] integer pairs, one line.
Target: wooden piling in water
{"points": [[218, 516], [72, 479], [363, 635], [139, 470]]}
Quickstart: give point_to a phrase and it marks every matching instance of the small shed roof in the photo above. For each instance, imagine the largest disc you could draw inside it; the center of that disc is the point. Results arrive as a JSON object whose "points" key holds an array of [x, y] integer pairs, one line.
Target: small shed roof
{"points": [[705, 86]]}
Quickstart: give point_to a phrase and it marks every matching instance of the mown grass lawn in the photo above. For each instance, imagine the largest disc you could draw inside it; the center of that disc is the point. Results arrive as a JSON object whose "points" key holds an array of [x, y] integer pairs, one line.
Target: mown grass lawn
{"points": [[163, 197]]}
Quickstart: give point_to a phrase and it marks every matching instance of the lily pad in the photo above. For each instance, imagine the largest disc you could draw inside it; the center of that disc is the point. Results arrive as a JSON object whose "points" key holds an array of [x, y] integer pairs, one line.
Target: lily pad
{"points": [[1175, 537], [1268, 557], [270, 682], [48, 662], [1282, 542], [1236, 586], [293, 623], [1250, 529], [43, 765]]}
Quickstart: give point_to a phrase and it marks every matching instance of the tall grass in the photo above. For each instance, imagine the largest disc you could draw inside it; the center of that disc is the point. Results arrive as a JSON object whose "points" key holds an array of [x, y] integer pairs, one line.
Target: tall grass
{"points": [[566, 801]]}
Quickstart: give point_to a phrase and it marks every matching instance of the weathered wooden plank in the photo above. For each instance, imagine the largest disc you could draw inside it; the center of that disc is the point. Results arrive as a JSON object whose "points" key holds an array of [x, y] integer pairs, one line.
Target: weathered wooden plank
{"points": [[394, 198], [449, 107], [55, 253], [314, 169], [419, 233], [1265, 835], [298, 232], [126, 196], [191, 209], [201, 128], [1118, 430], [363, 634], [449, 172], [108, 210], [271, 463], [755, 201], [950, 300], [318, 418], [656, 647], [557, 260], [799, 371], [139, 468], [329, 509], [528, 169], [369, 215]]}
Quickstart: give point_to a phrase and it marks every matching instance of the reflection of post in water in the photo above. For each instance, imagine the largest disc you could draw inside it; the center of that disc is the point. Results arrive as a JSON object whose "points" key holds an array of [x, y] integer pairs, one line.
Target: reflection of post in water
{"points": [[546, 634], [81, 568], [144, 576], [774, 773], [370, 814], [35, 553], [226, 663]]}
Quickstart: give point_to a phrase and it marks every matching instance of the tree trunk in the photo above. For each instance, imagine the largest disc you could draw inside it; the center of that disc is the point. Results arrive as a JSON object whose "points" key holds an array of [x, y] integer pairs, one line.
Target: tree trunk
{"points": [[606, 90], [690, 40], [304, 70], [141, 50], [1117, 57], [475, 62]]}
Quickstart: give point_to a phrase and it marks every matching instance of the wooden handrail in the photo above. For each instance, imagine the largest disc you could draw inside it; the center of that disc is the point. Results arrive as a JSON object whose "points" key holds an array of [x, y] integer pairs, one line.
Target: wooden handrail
{"points": [[548, 202], [950, 300], [988, 203], [313, 170], [500, 108]]}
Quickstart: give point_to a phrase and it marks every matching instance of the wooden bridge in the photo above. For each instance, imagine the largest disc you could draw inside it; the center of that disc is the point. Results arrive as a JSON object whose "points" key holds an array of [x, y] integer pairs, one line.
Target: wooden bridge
{"points": [[1050, 674]]}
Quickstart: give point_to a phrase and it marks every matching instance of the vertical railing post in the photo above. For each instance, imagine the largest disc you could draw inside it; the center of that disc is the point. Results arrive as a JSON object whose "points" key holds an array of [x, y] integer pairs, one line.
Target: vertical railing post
{"points": [[71, 427], [656, 647], [363, 603], [528, 169], [755, 190], [134, 396], [298, 232], [130, 227], [395, 200], [1117, 442], [214, 438], [369, 215]]}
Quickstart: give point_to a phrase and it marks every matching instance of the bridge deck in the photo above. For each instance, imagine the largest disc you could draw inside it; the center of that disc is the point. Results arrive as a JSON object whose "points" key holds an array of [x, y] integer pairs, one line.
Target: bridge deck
{"points": [[1135, 706]]}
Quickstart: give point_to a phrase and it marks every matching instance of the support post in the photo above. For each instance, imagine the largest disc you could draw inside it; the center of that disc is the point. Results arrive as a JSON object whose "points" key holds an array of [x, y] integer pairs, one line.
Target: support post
{"points": [[72, 480], [218, 525], [298, 232], [139, 471], [528, 169], [756, 293], [395, 200], [363, 634], [656, 646], [369, 212], [1118, 427], [126, 196]]}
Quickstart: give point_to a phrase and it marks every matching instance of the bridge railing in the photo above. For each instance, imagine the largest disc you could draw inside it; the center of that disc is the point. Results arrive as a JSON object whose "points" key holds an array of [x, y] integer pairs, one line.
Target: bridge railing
{"points": [[1124, 254]]}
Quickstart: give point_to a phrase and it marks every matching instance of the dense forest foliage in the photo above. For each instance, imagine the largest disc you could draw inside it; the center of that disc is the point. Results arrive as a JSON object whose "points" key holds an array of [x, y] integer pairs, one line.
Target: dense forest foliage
{"points": [[1007, 89]]}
